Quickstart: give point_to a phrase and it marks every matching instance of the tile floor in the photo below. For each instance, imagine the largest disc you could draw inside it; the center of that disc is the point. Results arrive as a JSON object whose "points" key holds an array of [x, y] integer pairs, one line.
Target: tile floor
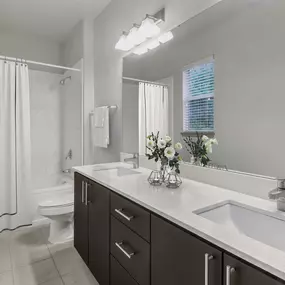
{"points": [[26, 258]]}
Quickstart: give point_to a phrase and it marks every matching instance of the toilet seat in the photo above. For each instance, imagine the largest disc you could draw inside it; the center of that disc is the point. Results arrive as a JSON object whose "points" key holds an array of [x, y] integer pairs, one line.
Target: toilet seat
{"points": [[57, 205]]}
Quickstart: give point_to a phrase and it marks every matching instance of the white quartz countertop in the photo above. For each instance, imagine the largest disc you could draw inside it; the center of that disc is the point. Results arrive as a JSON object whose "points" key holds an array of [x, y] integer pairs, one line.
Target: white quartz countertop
{"points": [[178, 205]]}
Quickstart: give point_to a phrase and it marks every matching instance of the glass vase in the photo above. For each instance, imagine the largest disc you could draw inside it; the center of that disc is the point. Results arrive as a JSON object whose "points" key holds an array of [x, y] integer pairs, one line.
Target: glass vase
{"points": [[164, 169], [173, 180]]}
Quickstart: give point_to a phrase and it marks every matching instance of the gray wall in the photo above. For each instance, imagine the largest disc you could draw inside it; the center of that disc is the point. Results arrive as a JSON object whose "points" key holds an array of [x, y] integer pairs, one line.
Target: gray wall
{"points": [[30, 47], [130, 107], [117, 17]]}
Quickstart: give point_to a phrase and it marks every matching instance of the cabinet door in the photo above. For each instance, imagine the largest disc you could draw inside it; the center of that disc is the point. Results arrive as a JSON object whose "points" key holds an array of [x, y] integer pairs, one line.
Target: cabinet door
{"points": [[99, 224], [177, 257], [80, 217], [238, 273]]}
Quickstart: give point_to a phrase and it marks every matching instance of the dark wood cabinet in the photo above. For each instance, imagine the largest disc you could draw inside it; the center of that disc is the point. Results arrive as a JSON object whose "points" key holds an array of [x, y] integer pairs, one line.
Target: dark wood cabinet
{"points": [[119, 276], [132, 251], [237, 272], [92, 226], [145, 249], [177, 257], [81, 236], [132, 215], [99, 228]]}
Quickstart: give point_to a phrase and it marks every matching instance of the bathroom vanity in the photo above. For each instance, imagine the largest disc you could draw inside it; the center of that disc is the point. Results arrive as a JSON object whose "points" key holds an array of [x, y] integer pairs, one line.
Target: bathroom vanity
{"points": [[130, 233]]}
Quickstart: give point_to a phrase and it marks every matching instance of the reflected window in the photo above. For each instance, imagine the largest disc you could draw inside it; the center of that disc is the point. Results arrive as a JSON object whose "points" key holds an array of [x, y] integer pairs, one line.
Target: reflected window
{"points": [[198, 96]]}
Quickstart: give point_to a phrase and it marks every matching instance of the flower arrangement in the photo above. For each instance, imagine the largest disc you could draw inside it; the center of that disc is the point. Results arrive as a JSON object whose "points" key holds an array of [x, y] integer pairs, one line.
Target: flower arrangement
{"points": [[161, 149], [200, 147]]}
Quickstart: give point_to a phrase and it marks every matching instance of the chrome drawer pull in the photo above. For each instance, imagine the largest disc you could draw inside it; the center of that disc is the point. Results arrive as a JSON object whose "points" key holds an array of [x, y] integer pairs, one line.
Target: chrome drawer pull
{"points": [[120, 212], [82, 192], [120, 247], [229, 272], [86, 194], [208, 257]]}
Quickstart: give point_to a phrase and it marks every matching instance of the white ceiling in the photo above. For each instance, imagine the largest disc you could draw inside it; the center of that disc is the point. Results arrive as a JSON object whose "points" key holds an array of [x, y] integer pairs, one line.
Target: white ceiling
{"points": [[50, 18]]}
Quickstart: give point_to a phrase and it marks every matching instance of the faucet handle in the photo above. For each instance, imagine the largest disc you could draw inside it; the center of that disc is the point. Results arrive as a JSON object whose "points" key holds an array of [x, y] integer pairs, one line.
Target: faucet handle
{"points": [[136, 155], [281, 183]]}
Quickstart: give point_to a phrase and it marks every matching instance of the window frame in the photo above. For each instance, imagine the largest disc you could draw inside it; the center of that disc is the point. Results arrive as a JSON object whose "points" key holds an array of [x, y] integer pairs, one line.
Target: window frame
{"points": [[206, 60]]}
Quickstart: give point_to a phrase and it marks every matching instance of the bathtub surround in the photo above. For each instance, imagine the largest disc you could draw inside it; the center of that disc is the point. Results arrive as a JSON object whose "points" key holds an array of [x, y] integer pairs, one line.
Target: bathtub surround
{"points": [[71, 118], [46, 96], [15, 146]]}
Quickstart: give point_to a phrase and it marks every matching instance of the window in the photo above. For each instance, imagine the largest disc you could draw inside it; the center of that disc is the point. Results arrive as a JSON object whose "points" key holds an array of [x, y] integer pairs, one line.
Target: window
{"points": [[198, 97]]}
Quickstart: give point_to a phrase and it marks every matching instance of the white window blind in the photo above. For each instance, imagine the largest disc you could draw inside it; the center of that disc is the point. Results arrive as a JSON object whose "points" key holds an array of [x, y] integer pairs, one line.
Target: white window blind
{"points": [[198, 97]]}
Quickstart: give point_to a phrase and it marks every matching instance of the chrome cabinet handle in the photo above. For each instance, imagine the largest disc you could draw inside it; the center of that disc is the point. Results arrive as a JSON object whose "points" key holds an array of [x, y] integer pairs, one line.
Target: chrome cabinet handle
{"points": [[229, 271], [82, 192], [86, 193], [120, 212], [208, 257], [120, 245]]}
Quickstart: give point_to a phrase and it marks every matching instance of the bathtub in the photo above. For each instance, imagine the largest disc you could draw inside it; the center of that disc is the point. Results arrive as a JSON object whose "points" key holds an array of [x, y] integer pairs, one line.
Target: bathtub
{"points": [[45, 194]]}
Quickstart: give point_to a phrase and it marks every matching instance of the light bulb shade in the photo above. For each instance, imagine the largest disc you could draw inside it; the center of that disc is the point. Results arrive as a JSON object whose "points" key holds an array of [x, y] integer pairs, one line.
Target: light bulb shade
{"points": [[153, 44], [140, 50], [135, 36], [149, 28], [124, 44], [166, 37]]}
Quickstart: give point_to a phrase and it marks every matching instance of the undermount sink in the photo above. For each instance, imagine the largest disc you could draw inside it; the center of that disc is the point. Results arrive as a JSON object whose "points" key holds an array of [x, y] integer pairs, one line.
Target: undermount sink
{"points": [[120, 171], [263, 226]]}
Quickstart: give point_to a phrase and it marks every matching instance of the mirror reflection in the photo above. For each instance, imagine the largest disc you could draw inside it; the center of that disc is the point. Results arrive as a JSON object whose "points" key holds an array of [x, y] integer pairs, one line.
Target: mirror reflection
{"points": [[216, 87]]}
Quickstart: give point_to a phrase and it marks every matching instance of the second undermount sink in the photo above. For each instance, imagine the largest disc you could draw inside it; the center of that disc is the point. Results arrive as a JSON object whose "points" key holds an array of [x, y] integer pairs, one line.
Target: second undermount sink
{"points": [[120, 171], [263, 226]]}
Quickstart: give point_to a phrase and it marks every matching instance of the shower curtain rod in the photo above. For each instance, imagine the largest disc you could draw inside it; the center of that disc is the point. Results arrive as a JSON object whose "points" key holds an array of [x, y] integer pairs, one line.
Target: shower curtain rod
{"points": [[145, 81], [36, 63]]}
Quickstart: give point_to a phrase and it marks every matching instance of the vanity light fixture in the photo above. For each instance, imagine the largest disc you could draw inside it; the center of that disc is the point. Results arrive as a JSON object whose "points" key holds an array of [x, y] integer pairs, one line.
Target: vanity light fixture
{"points": [[166, 37], [136, 37], [140, 33], [149, 27], [124, 44], [140, 50], [153, 44]]}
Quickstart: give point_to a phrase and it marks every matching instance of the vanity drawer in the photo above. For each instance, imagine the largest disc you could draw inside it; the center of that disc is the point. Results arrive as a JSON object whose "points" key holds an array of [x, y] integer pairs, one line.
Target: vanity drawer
{"points": [[132, 252], [131, 215], [119, 276]]}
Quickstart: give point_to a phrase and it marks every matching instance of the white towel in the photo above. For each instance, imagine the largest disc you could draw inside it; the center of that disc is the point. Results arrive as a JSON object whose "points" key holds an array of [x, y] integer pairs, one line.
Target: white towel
{"points": [[101, 127]]}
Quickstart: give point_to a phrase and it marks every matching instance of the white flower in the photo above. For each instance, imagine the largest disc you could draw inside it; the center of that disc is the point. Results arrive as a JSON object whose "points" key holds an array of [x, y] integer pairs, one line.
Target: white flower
{"points": [[205, 138], [178, 146], [214, 141], [167, 139], [208, 146], [169, 152], [150, 143], [161, 143]]}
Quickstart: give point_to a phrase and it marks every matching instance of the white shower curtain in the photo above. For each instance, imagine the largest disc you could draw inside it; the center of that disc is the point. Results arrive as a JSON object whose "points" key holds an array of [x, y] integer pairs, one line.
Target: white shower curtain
{"points": [[153, 112], [15, 154]]}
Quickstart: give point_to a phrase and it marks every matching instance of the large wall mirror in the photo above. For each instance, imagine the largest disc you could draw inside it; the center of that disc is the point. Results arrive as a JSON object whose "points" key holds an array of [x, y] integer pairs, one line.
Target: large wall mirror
{"points": [[222, 75]]}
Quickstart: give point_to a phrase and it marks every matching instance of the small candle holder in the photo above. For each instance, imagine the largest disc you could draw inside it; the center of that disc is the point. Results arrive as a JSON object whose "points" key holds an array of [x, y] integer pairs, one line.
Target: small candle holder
{"points": [[173, 180], [155, 178]]}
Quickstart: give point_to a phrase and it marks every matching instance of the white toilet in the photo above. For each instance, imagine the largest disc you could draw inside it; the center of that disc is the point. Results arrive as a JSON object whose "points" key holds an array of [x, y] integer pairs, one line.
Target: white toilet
{"points": [[59, 209]]}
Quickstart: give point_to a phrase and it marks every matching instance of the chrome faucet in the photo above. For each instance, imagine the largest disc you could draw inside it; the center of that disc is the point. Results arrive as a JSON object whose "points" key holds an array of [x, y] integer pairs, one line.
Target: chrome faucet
{"points": [[278, 194], [134, 160], [279, 191]]}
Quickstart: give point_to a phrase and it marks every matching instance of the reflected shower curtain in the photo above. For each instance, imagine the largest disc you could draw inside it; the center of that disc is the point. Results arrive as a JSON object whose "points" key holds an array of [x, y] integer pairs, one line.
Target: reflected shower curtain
{"points": [[153, 112], [15, 154]]}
